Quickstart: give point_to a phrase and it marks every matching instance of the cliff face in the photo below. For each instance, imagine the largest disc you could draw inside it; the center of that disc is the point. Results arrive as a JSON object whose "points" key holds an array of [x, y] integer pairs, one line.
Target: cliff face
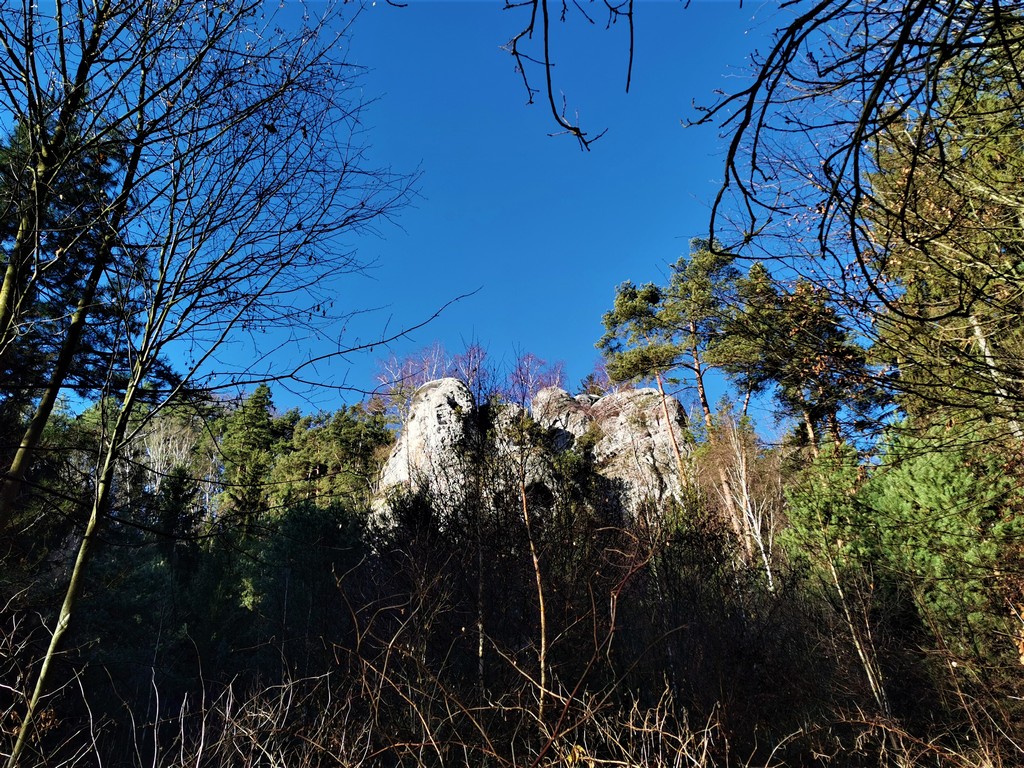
{"points": [[626, 433], [433, 448], [633, 441]]}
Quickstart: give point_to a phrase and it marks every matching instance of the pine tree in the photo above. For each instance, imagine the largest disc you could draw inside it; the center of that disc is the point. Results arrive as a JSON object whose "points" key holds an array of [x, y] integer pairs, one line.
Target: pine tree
{"points": [[946, 522], [698, 298], [332, 459], [640, 343], [249, 442], [948, 238], [794, 344], [45, 288]]}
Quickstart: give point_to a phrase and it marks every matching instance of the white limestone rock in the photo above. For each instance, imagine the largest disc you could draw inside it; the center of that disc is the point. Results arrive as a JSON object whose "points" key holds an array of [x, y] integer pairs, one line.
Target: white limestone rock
{"points": [[629, 437], [568, 417], [432, 447], [635, 444]]}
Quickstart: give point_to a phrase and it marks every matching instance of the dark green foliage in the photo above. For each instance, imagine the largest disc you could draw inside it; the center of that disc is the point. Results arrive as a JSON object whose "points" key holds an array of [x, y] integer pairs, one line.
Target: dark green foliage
{"points": [[639, 341], [655, 329], [917, 557], [702, 288], [247, 444], [332, 458], [947, 525], [60, 487], [793, 343], [69, 231], [436, 613], [176, 514], [945, 214]]}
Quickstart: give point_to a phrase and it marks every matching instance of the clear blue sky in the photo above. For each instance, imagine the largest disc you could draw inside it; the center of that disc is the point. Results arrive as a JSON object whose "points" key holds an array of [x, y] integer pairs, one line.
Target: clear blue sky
{"points": [[542, 231]]}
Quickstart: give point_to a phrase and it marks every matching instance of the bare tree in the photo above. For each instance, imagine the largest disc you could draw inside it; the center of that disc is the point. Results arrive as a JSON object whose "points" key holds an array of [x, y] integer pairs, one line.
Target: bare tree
{"points": [[532, 50], [398, 378], [471, 367], [748, 481], [839, 76], [242, 166], [875, 152], [529, 375], [242, 171]]}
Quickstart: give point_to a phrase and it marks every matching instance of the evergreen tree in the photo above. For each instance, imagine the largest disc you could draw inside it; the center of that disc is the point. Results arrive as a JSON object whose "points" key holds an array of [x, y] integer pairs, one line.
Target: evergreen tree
{"points": [[640, 343], [946, 524], [46, 283], [332, 458], [793, 343], [949, 246], [249, 444], [701, 290]]}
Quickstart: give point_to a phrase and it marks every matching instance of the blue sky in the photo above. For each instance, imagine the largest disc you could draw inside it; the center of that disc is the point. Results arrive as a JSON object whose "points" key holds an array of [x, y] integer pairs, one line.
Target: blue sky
{"points": [[541, 231]]}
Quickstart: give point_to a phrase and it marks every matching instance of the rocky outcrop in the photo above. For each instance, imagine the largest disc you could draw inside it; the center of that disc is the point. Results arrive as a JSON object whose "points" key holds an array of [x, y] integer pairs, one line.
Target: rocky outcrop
{"points": [[625, 433], [636, 444], [630, 439], [432, 448], [566, 416]]}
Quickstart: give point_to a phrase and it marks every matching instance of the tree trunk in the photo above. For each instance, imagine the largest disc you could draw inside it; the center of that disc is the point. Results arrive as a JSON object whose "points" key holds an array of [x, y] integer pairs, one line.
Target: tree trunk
{"points": [[101, 500], [42, 176], [863, 645], [833, 428], [812, 437], [683, 476], [542, 655], [698, 377], [732, 509], [10, 292], [997, 384], [18, 470]]}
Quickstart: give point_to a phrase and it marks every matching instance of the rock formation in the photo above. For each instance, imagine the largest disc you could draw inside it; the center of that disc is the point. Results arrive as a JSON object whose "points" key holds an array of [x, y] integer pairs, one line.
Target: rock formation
{"points": [[626, 435], [434, 441], [636, 444]]}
